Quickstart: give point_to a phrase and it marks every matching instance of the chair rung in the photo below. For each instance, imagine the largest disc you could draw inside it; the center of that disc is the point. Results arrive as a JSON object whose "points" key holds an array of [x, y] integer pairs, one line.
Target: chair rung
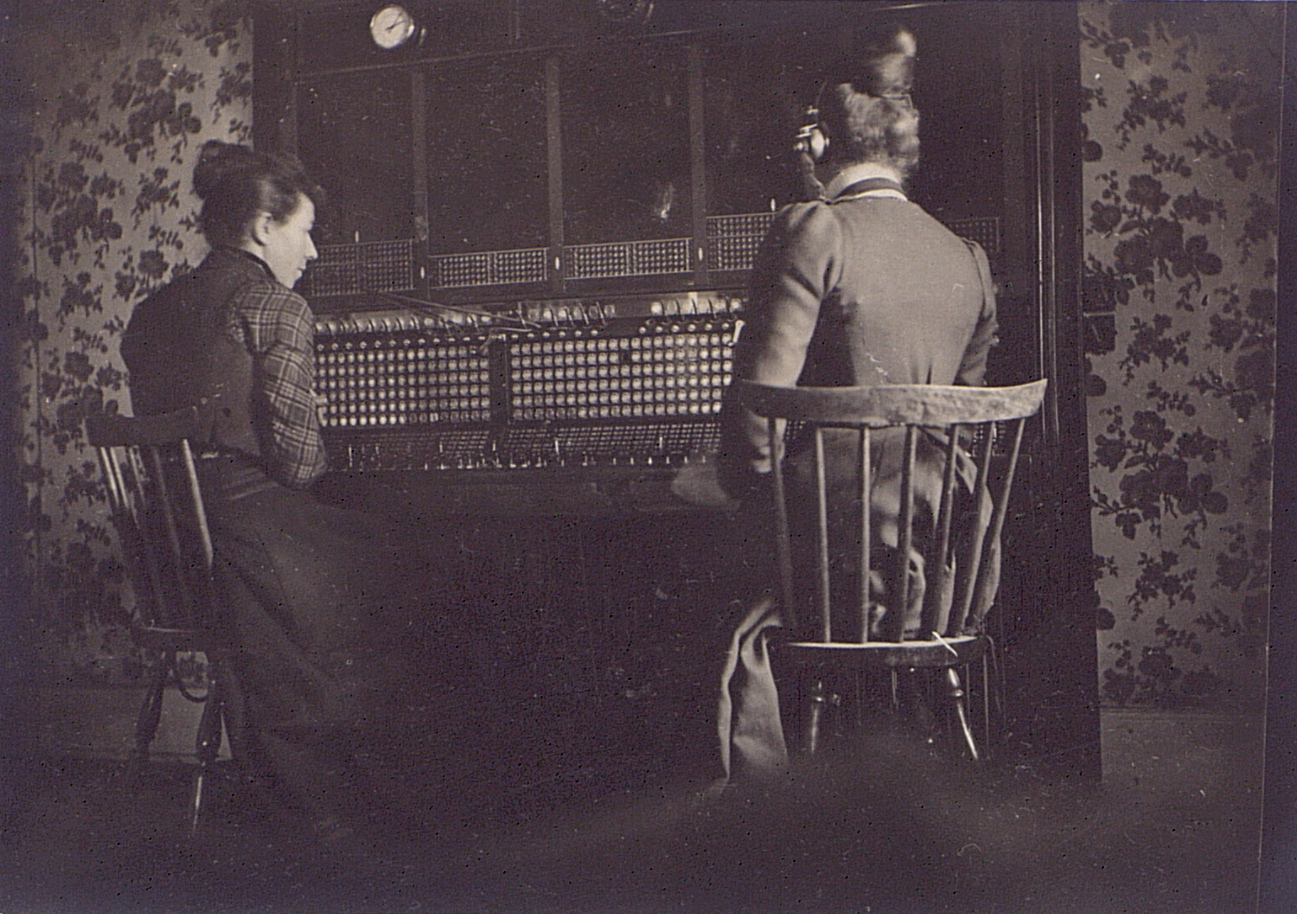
{"points": [[888, 654]]}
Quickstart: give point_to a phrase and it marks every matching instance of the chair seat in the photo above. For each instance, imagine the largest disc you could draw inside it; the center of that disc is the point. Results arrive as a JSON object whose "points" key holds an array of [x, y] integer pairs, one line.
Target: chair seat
{"points": [[946, 652], [160, 638]]}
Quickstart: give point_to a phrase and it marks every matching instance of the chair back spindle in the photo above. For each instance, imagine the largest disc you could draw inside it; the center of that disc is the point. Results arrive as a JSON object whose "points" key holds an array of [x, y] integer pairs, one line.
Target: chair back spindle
{"points": [[958, 545], [783, 536], [156, 505]]}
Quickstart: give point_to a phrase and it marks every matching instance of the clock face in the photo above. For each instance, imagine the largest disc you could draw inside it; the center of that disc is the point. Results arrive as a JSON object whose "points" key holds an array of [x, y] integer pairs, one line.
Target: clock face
{"points": [[391, 27]]}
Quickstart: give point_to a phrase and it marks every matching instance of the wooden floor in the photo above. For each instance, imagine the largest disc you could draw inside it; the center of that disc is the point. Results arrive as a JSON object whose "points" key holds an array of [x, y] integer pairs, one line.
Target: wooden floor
{"points": [[548, 821]]}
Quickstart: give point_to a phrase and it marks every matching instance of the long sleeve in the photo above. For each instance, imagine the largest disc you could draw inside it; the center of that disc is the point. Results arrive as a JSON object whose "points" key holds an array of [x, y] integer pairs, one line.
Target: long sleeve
{"points": [[793, 271], [793, 274], [972, 369], [278, 327]]}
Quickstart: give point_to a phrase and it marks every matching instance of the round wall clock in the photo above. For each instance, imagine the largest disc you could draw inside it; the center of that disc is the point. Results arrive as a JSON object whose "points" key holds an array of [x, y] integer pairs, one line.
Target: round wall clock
{"points": [[391, 27]]}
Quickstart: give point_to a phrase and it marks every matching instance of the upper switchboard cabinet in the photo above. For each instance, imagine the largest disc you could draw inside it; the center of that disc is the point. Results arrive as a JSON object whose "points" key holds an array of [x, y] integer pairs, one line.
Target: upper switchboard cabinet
{"points": [[507, 148]]}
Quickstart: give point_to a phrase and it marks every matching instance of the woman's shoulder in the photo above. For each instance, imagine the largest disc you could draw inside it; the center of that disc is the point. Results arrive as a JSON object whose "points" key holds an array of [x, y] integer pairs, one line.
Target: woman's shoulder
{"points": [[809, 221], [250, 280], [269, 312], [268, 294]]}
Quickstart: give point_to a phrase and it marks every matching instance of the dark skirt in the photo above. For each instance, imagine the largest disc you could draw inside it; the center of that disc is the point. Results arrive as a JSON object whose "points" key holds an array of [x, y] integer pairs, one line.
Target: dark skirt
{"points": [[327, 612]]}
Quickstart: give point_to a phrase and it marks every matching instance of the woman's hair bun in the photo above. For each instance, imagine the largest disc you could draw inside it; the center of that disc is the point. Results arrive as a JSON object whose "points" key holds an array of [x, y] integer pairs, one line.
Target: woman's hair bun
{"points": [[217, 161], [888, 65]]}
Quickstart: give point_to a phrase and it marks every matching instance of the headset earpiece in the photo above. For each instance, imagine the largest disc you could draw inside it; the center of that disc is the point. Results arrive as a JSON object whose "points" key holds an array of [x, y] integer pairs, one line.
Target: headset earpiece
{"points": [[811, 137], [819, 144]]}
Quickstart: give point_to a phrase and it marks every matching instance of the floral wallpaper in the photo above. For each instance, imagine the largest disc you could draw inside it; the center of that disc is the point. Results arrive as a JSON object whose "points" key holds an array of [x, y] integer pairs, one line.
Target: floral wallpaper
{"points": [[1181, 119], [120, 96]]}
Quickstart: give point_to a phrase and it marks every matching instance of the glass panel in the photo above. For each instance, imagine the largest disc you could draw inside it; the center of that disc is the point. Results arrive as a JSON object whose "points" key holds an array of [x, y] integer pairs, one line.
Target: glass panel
{"points": [[487, 181], [625, 112], [334, 35], [354, 139], [753, 108], [957, 86]]}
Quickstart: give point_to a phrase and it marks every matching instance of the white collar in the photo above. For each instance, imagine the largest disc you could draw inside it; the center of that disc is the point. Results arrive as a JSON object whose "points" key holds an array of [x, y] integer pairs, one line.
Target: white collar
{"points": [[861, 171]]}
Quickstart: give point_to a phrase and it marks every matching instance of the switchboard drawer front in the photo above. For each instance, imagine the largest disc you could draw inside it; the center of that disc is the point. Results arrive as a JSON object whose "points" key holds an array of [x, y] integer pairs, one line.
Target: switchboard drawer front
{"points": [[658, 369], [559, 363], [488, 268], [392, 380], [377, 450], [347, 269], [575, 446]]}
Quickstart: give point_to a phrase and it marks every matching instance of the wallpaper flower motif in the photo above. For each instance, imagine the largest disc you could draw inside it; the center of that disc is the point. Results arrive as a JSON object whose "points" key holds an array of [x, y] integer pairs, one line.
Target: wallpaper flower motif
{"points": [[120, 99], [1181, 119]]}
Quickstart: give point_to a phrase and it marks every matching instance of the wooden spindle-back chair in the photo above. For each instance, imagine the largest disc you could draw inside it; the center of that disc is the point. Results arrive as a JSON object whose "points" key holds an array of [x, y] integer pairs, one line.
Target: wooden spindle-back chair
{"points": [[959, 540], [156, 503]]}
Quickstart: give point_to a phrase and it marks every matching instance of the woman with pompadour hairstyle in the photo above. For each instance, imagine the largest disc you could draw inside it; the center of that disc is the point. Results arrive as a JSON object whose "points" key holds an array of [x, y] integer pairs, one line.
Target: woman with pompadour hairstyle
{"points": [[856, 287]]}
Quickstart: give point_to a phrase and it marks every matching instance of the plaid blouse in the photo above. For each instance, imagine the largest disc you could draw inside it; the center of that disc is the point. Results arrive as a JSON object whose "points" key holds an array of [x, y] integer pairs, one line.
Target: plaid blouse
{"points": [[229, 331], [277, 327]]}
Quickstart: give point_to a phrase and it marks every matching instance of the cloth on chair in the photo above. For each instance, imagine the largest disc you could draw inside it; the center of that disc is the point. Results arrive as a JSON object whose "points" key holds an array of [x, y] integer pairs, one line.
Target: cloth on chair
{"points": [[748, 721]]}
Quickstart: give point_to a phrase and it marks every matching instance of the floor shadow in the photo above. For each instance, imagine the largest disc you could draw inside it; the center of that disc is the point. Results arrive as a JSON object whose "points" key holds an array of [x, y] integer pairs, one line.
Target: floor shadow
{"points": [[568, 819]]}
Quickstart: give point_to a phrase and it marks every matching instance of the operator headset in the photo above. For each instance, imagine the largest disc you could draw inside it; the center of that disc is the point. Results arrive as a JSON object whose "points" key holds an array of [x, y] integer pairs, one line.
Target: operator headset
{"points": [[812, 139]]}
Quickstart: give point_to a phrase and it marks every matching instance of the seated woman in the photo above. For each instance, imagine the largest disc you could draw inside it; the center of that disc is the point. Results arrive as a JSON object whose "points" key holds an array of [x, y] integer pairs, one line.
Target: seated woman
{"points": [[857, 287], [322, 632]]}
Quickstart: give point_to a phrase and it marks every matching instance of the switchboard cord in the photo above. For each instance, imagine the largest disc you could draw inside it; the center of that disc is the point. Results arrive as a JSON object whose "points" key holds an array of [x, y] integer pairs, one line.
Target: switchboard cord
{"points": [[496, 320]]}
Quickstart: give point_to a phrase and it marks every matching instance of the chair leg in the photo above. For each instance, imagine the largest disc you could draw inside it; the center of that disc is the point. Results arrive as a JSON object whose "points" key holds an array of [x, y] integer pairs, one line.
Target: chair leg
{"points": [[815, 703], [987, 724], [206, 747], [146, 722], [955, 689]]}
